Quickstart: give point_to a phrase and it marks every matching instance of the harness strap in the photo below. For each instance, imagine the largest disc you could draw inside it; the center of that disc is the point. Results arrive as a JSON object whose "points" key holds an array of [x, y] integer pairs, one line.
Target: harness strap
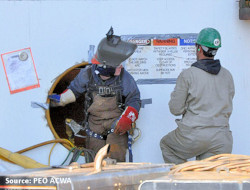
{"points": [[96, 135], [104, 137], [130, 139]]}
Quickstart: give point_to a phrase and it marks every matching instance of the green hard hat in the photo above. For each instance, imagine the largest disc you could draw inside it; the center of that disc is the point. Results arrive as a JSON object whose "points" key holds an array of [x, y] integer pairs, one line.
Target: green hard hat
{"points": [[209, 37]]}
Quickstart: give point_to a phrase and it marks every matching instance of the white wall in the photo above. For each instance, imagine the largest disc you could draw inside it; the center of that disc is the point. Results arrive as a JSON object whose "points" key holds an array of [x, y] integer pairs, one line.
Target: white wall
{"points": [[59, 34]]}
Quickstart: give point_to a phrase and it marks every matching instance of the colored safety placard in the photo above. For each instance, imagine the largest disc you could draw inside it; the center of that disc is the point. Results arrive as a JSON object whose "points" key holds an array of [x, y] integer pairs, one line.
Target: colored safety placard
{"points": [[167, 42], [20, 70], [159, 58]]}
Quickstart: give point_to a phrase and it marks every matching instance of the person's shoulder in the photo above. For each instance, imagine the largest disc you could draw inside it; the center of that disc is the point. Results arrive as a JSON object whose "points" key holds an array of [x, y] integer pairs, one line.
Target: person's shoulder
{"points": [[225, 72], [126, 75], [187, 72], [85, 72], [127, 78], [223, 69], [86, 69]]}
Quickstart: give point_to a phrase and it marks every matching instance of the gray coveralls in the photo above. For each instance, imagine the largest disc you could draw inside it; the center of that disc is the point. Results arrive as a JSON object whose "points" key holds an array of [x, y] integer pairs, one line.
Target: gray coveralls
{"points": [[204, 99], [103, 111]]}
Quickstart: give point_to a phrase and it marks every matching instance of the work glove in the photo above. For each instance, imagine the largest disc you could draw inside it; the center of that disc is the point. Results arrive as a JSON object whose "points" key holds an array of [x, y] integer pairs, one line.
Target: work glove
{"points": [[125, 121], [55, 97], [62, 99], [55, 100]]}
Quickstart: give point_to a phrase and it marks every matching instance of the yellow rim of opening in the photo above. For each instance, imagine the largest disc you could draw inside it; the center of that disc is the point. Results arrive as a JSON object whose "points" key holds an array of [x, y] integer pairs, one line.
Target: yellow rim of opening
{"points": [[47, 112]]}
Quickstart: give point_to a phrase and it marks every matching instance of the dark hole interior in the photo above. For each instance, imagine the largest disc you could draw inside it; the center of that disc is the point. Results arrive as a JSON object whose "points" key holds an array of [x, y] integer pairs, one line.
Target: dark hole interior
{"points": [[73, 111]]}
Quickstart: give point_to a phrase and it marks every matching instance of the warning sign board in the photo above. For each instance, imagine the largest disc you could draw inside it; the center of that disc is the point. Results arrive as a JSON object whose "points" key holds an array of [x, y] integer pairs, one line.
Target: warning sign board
{"points": [[159, 59]]}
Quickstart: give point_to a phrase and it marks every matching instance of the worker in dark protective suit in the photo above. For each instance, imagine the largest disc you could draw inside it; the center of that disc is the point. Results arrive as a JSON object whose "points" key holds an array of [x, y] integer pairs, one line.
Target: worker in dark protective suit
{"points": [[203, 96], [112, 98]]}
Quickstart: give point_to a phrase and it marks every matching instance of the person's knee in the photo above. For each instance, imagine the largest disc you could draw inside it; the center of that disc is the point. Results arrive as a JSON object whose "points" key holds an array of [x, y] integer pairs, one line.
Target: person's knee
{"points": [[118, 152], [118, 148], [166, 152], [163, 143]]}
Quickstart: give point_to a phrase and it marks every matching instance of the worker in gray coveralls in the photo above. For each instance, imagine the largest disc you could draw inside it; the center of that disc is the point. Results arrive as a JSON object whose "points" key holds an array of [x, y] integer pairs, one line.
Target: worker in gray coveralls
{"points": [[203, 96], [112, 98]]}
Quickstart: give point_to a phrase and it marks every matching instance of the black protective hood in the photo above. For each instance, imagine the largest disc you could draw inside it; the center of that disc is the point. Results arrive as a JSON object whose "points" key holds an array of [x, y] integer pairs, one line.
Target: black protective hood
{"points": [[209, 65]]}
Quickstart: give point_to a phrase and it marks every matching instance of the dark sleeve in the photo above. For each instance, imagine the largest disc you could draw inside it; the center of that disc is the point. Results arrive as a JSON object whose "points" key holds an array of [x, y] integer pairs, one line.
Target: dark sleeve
{"points": [[130, 91], [79, 83]]}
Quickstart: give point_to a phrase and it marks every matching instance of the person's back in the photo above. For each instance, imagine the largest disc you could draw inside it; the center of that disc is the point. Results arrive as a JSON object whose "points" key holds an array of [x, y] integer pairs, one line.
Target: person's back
{"points": [[209, 100], [203, 96]]}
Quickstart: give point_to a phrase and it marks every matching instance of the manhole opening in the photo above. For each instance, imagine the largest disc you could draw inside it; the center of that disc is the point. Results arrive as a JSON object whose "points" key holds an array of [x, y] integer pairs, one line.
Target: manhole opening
{"points": [[75, 111]]}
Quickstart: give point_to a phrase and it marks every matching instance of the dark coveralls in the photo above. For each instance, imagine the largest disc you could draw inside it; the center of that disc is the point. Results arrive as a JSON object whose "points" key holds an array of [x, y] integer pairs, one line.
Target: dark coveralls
{"points": [[103, 110]]}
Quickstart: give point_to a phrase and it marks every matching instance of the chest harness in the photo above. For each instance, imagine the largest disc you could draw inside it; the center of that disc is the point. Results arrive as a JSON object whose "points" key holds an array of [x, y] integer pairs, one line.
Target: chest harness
{"points": [[114, 89]]}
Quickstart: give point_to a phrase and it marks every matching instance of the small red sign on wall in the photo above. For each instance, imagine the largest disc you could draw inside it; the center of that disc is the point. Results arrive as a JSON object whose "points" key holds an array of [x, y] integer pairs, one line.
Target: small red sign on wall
{"points": [[20, 70]]}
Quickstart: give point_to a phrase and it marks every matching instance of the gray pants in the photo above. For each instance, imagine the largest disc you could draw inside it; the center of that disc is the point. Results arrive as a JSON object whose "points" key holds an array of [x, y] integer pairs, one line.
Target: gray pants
{"points": [[185, 142]]}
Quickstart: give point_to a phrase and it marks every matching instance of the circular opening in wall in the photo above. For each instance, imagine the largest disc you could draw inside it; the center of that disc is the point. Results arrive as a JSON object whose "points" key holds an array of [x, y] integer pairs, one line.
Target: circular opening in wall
{"points": [[56, 116]]}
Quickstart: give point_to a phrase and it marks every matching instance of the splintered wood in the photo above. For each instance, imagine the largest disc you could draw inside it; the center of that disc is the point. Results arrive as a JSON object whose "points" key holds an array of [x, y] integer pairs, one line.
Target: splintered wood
{"points": [[222, 166]]}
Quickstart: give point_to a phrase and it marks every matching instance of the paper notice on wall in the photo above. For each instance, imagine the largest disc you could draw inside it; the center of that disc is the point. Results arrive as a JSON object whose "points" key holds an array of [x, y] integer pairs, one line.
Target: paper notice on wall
{"points": [[160, 58], [20, 70]]}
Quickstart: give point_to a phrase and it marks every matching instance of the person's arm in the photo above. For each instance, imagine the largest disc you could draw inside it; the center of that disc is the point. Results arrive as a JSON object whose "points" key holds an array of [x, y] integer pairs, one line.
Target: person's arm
{"points": [[132, 104], [131, 92], [177, 103], [73, 91], [62, 99], [232, 88], [79, 84]]}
